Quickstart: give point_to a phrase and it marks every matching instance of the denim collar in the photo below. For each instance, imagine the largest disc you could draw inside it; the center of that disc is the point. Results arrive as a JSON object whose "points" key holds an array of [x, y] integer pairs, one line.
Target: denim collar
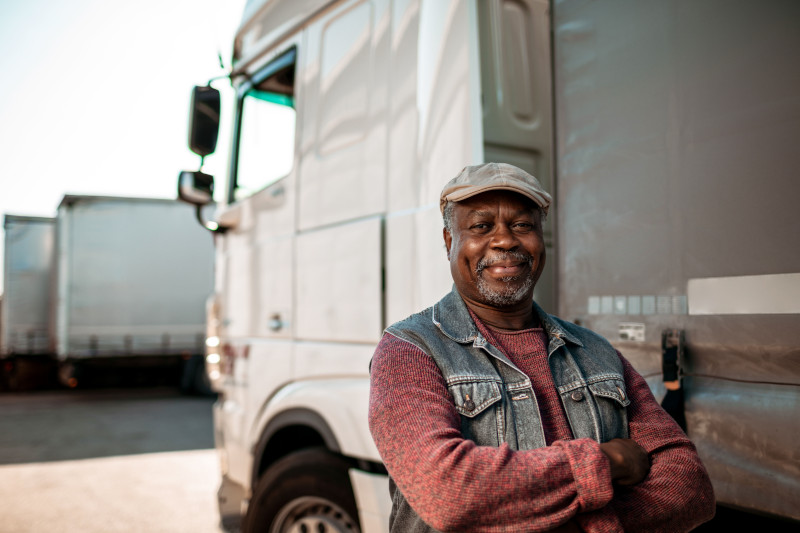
{"points": [[451, 316]]}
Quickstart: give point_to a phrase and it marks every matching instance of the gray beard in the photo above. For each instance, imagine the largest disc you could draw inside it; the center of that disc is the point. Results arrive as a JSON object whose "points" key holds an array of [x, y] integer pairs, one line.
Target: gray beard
{"points": [[511, 293]]}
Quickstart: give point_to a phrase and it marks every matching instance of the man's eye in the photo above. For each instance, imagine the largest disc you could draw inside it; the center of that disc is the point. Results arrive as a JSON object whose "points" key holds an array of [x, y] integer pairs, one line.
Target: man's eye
{"points": [[480, 226], [523, 226]]}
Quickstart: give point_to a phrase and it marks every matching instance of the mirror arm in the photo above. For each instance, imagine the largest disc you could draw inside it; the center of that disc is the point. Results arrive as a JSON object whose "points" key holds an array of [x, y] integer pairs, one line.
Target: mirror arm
{"points": [[215, 78], [213, 227]]}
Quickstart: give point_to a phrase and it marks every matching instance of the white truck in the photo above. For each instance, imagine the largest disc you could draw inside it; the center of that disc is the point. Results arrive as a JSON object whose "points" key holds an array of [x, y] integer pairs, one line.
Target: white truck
{"points": [[27, 336], [666, 133], [132, 279]]}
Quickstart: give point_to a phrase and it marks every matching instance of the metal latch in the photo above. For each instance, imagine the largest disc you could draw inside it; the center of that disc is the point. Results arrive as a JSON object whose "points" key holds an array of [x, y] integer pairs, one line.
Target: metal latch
{"points": [[672, 356], [672, 352]]}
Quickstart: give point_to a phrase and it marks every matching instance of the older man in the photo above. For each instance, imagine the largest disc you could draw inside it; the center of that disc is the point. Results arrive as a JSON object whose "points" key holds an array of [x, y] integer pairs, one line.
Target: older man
{"points": [[492, 415]]}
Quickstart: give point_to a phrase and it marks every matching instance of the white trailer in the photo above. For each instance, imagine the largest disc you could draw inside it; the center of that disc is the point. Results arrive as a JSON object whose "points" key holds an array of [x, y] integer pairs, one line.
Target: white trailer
{"points": [[27, 328], [27, 281], [133, 277], [665, 131]]}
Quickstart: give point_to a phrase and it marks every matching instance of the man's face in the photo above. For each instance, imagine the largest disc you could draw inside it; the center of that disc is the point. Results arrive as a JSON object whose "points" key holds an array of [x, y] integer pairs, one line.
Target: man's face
{"points": [[496, 249]]}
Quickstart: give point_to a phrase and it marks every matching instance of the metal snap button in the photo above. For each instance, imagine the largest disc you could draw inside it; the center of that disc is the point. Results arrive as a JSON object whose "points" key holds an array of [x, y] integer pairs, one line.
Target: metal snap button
{"points": [[576, 396], [621, 393], [469, 405]]}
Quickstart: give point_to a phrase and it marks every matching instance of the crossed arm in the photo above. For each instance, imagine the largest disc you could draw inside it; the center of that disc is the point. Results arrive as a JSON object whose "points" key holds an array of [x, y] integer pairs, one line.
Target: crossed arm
{"points": [[456, 485]]}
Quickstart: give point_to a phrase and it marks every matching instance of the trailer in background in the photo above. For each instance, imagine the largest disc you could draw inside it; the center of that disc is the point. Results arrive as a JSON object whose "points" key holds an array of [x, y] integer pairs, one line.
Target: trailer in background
{"points": [[110, 291], [132, 279], [27, 336]]}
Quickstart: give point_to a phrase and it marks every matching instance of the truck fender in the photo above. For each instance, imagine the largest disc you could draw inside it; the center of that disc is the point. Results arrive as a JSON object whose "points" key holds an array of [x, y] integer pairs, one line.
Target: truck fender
{"points": [[334, 409]]}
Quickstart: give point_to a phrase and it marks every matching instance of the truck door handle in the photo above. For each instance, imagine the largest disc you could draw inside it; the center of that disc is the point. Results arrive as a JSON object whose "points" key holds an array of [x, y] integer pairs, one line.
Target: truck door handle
{"points": [[275, 322]]}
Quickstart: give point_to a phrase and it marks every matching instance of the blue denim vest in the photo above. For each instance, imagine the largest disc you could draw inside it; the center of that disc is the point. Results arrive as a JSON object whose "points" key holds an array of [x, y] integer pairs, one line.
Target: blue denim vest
{"points": [[496, 400]]}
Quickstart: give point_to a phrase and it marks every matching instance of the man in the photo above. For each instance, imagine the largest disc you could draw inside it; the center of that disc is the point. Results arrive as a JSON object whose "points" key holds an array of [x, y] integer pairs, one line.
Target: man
{"points": [[492, 415]]}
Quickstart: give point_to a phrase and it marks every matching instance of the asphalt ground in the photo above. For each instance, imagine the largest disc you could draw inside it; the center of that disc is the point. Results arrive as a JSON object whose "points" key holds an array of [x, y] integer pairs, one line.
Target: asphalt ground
{"points": [[136, 460], [107, 461]]}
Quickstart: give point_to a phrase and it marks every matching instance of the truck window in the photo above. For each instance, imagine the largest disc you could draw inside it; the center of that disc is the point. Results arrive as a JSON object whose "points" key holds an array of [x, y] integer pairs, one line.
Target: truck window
{"points": [[266, 137]]}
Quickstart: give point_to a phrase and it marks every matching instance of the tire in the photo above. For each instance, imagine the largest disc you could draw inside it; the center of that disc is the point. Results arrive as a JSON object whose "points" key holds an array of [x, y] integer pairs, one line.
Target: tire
{"points": [[305, 492]]}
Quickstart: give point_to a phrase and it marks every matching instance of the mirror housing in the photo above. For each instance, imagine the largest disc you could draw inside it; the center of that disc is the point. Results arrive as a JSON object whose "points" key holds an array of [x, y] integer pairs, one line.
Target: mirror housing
{"points": [[204, 120], [195, 187]]}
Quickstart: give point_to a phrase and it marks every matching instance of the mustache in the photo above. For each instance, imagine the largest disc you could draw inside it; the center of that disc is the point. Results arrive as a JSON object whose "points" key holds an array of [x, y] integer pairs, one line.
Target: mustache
{"points": [[499, 257]]}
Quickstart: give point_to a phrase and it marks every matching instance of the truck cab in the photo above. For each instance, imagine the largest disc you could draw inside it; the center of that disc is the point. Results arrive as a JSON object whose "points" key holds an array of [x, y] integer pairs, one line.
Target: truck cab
{"points": [[350, 116]]}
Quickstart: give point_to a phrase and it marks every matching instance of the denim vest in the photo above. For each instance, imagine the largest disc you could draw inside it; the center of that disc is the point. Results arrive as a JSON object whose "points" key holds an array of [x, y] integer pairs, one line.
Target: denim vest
{"points": [[495, 399]]}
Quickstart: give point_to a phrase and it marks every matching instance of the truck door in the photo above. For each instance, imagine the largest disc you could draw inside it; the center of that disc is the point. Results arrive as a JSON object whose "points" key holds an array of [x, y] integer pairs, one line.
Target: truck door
{"points": [[341, 194], [255, 262]]}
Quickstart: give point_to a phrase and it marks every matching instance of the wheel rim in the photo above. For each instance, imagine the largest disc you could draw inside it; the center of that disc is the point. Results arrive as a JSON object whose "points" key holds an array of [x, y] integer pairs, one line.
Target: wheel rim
{"points": [[310, 514]]}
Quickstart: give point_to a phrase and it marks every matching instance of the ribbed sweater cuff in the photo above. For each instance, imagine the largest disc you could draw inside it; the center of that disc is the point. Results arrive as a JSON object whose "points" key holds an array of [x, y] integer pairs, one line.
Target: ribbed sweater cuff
{"points": [[601, 521], [591, 472]]}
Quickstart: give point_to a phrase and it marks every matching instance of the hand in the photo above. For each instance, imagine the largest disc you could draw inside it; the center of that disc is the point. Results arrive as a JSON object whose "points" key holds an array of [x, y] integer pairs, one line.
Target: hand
{"points": [[629, 461]]}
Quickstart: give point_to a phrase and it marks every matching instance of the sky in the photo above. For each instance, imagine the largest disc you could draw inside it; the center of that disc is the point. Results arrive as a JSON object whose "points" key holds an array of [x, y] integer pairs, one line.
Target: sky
{"points": [[94, 96]]}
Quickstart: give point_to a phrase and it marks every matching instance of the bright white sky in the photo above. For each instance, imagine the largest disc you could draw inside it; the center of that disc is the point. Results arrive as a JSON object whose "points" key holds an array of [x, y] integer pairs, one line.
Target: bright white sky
{"points": [[94, 96]]}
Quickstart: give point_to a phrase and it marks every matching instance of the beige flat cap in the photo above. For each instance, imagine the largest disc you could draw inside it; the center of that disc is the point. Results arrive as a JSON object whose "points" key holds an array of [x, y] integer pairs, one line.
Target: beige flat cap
{"points": [[486, 177]]}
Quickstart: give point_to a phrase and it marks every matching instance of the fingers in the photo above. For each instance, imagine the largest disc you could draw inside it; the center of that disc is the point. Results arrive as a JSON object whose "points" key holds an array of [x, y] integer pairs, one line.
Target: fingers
{"points": [[629, 462]]}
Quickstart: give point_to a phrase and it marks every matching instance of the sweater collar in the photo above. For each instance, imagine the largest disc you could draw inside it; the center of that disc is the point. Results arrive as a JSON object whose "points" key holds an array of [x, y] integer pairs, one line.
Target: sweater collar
{"points": [[451, 316]]}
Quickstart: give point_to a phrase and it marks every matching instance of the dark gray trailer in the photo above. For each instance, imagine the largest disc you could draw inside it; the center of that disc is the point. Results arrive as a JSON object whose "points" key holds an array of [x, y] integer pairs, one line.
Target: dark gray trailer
{"points": [[677, 126]]}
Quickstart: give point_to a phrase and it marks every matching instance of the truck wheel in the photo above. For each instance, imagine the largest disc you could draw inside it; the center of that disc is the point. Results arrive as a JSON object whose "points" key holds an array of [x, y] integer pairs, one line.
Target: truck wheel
{"points": [[304, 492], [70, 374]]}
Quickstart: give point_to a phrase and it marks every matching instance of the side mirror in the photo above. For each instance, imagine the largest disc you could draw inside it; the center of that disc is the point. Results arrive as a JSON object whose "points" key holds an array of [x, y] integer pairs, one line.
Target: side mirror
{"points": [[195, 187], [204, 120]]}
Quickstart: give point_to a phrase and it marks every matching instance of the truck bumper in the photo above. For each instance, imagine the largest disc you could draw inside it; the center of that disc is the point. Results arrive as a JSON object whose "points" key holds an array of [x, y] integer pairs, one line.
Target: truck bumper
{"points": [[230, 497]]}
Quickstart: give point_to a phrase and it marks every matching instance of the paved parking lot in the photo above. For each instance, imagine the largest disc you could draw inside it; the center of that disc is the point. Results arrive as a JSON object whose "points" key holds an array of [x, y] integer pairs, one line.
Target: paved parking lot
{"points": [[107, 461], [135, 460]]}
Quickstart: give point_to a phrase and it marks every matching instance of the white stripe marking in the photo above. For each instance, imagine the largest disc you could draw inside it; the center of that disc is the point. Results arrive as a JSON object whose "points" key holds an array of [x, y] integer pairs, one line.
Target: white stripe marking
{"points": [[745, 295]]}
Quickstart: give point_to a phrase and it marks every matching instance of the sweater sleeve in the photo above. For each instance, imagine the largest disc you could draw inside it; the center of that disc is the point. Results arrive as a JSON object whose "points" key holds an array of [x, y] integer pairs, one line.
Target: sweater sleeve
{"points": [[455, 485], [677, 494]]}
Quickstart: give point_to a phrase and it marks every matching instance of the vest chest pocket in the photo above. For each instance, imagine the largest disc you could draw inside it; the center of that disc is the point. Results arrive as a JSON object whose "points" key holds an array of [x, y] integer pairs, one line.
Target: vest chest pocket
{"points": [[480, 406], [612, 400], [611, 388]]}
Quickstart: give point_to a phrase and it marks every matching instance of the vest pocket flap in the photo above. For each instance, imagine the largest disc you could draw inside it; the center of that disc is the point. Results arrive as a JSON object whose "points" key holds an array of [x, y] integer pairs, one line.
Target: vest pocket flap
{"points": [[473, 397], [613, 389]]}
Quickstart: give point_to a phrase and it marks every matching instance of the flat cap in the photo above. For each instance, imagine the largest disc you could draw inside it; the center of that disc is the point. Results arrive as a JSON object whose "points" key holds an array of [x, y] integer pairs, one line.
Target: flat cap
{"points": [[486, 177]]}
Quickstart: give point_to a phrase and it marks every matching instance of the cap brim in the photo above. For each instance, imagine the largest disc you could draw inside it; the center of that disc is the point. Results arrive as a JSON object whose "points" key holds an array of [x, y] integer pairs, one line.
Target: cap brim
{"points": [[467, 192]]}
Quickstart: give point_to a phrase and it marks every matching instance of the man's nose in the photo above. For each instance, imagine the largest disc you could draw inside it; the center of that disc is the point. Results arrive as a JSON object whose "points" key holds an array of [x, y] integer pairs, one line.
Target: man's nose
{"points": [[503, 238]]}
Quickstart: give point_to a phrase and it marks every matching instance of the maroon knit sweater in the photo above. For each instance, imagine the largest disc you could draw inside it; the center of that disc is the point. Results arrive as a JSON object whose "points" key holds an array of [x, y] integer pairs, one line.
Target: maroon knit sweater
{"points": [[456, 485]]}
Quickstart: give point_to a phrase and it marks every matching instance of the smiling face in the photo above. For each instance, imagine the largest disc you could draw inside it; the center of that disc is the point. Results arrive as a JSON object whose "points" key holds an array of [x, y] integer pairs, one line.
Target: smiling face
{"points": [[496, 249]]}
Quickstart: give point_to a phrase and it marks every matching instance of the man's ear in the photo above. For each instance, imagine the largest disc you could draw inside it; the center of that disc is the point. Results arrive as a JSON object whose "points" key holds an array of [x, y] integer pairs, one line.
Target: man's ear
{"points": [[448, 240]]}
